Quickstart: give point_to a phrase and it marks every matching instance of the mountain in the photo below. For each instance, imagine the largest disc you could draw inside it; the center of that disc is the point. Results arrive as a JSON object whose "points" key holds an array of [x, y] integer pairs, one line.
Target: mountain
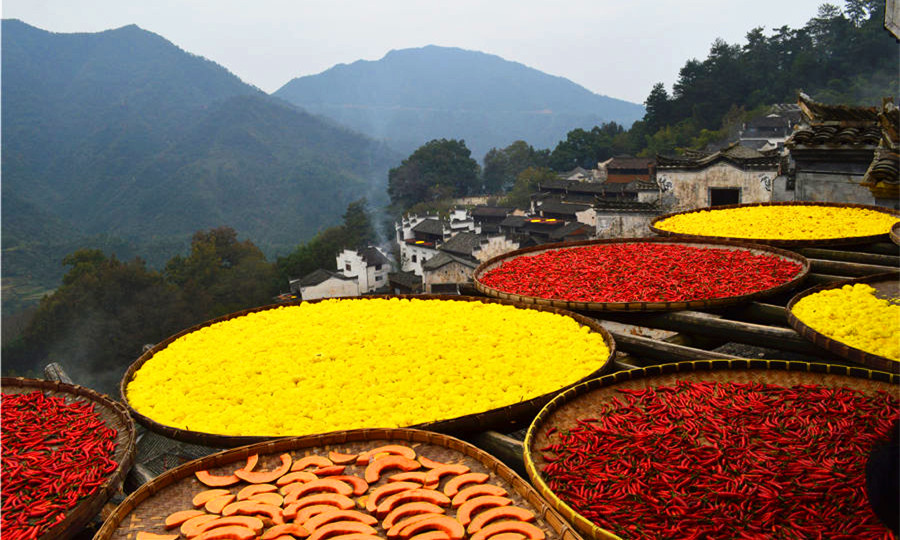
{"points": [[412, 96], [122, 138]]}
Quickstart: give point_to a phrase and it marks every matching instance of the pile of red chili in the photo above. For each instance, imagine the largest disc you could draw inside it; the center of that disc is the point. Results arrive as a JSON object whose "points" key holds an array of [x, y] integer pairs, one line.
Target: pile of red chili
{"points": [[640, 272], [724, 460], [53, 455]]}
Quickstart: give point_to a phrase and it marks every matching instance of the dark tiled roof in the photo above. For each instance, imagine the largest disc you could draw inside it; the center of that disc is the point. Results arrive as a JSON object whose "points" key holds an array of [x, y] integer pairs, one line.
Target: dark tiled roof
{"points": [[463, 243], [642, 186], [831, 135], [430, 226], [554, 207], [408, 280], [320, 276], [372, 256], [443, 258], [572, 228], [490, 211], [820, 113], [513, 221], [740, 156], [883, 175], [626, 206], [630, 163]]}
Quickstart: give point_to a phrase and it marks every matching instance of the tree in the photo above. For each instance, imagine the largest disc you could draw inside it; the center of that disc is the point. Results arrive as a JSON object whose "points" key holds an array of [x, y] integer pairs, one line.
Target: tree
{"points": [[501, 167], [526, 184], [658, 108], [585, 148], [437, 169], [358, 226]]}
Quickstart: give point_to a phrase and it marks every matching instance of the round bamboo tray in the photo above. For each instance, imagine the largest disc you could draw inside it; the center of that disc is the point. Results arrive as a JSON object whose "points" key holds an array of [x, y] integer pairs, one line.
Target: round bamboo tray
{"points": [[709, 303], [583, 400], [774, 241], [513, 414], [147, 508], [115, 416], [886, 286], [895, 233]]}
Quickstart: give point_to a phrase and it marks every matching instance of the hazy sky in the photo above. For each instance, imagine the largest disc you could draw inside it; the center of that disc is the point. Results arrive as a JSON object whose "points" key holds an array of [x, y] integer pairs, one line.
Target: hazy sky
{"points": [[618, 48]]}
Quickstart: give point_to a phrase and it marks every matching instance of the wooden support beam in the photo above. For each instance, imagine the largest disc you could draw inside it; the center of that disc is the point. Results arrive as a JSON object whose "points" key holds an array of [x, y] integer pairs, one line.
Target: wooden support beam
{"points": [[55, 372], [508, 450], [820, 279], [851, 256], [840, 268], [660, 350], [759, 312]]}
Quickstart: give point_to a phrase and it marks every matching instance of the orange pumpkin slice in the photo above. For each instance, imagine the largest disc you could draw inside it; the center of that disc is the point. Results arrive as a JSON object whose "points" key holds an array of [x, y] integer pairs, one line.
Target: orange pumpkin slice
{"points": [[302, 515], [473, 506], [216, 504], [317, 521], [431, 535], [392, 449], [144, 535], [477, 491], [212, 480], [322, 484], [451, 488], [269, 498], [230, 532], [413, 495], [311, 461], [441, 523], [430, 463], [341, 527], [251, 522], [394, 532], [201, 498], [253, 489], [529, 530], [177, 518], [375, 468], [433, 477], [249, 508], [412, 476], [329, 471], [508, 536], [359, 485], [192, 527], [341, 459], [332, 499], [498, 512], [293, 529], [385, 490], [408, 509], [265, 477], [355, 536], [296, 476]]}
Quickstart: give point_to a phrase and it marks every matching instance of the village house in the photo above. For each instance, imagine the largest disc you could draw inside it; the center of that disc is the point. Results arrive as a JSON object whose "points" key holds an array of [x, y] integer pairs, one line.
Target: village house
{"points": [[368, 265], [627, 169], [324, 284], [457, 258], [772, 130], [883, 176], [832, 150], [733, 175]]}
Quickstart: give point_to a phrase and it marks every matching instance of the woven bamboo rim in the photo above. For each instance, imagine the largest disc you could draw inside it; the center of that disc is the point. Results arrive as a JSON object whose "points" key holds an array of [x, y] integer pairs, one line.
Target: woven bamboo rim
{"points": [[494, 418], [701, 304], [146, 508], [849, 240], [841, 349], [114, 415], [575, 402], [895, 233]]}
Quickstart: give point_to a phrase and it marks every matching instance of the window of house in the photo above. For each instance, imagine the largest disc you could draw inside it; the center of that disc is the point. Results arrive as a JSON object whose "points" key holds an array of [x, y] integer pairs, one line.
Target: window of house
{"points": [[347, 267], [720, 196], [379, 278], [377, 267], [414, 257]]}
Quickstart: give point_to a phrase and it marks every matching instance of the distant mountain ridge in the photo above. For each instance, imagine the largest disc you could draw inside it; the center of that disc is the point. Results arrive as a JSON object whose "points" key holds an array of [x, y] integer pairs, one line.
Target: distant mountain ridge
{"points": [[411, 96], [121, 133]]}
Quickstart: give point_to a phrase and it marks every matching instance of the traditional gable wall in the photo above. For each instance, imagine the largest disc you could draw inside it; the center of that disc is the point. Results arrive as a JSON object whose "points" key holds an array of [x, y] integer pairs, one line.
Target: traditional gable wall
{"points": [[685, 189]]}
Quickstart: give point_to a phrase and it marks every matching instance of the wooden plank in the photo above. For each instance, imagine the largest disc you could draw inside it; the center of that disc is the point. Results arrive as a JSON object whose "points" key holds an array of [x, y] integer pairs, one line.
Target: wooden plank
{"points": [[851, 256], [759, 312], [503, 447], [660, 350], [840, 268]]}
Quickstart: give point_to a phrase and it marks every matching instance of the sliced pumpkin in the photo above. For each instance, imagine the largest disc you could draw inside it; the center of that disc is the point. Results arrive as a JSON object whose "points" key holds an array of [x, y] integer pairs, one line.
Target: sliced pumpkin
{"points": [[408, 509], [253, 489], [230, 532], [269, 498], [334, 499], [386, 490], [311, 461], [192, 527], [355, 536], [144, 535], [375, 468], [175, 519], [441, 523], [451, 488], [498, 512], [329, 516], [394, 532], [331, 470], [251, 522], [431, 535], [296, 476], [216, 504], [477, 491], [252, 460], [508, 536], [266, 477], [341, 527], [411, 476], [249, 508], [322, 484], [427, 495], [433, 477], [392, 449], [341, 459], [532, 532], [201, 498], [213, 480], [293, 529], [359, 485], [302, 515], [473, 506], [430, 463]]}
